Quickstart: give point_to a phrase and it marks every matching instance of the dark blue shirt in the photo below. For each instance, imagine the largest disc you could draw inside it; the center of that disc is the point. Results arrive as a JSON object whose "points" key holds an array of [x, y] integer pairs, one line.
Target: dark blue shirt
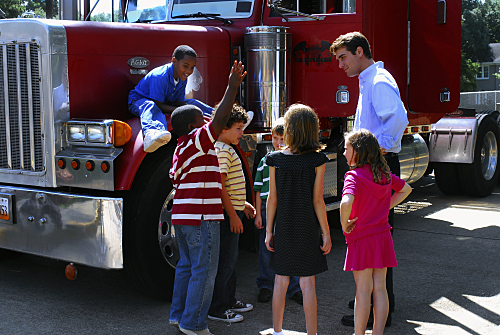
{"points": [[159, 85]]}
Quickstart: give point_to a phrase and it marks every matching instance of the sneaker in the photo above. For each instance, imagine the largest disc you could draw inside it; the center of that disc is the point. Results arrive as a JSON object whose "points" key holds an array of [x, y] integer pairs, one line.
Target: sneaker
{"points": [[240, 307], [265, 295], [227, 316], [155, 139], [174, 323], [196, 332]]}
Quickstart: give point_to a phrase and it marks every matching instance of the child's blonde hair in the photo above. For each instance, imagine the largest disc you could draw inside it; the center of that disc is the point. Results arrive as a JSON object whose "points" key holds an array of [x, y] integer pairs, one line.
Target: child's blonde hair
{"points": [[368, 151], [301, 133]]}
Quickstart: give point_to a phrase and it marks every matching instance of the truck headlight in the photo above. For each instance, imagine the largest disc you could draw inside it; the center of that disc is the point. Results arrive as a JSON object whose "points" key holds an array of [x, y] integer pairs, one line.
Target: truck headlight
{"points": [[96, 134], [76, 133], [90, 132]]}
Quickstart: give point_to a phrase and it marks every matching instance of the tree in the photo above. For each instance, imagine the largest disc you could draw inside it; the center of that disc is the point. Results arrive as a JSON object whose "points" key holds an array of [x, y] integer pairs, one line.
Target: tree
{"points": [[475, 40], [12, 8], [468, 71], [43, 8], [492, 19]]}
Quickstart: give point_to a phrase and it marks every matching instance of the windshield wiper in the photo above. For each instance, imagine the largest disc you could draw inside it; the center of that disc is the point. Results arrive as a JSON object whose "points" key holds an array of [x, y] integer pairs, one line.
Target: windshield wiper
{"points": [[210, 16]]}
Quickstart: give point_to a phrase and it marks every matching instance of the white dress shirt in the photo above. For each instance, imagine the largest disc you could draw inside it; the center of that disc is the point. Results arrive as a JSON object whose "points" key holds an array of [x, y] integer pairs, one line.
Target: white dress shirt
{"points": [[380, 109]]}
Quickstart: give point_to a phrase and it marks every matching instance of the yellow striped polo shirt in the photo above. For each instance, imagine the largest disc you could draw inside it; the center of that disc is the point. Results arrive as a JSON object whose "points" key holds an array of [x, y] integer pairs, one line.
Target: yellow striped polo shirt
{"points": [[230, 164]]}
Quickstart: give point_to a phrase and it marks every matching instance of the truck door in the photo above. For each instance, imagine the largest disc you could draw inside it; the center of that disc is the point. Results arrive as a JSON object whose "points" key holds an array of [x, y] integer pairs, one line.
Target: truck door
{"points": [[315, 75], [434, 76]]}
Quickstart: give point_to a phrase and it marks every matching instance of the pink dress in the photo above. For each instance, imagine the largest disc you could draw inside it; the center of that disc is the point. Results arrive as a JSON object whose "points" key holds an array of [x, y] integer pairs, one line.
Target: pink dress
{"points": [[370, 244]]}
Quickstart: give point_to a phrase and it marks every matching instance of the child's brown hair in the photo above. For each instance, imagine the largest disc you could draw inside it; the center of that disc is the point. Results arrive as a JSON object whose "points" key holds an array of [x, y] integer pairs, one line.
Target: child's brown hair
{"points": [[279, 126], [368, 152], [301, 133]]}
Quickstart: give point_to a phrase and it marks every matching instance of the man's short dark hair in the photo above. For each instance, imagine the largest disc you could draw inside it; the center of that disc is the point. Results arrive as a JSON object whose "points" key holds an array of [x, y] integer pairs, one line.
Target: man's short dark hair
{"points": [[184, 50], [182, 117], [351, 41]]}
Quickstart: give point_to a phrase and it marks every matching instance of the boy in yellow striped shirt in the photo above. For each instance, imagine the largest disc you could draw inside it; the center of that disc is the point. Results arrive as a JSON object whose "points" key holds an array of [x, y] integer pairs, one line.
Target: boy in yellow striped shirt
{"points": [[224, 306]]}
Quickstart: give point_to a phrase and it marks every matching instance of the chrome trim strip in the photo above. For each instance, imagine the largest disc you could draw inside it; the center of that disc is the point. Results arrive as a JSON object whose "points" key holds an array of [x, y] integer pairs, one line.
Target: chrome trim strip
{"points": [[19, 107], [6, 97], [30, 106]]}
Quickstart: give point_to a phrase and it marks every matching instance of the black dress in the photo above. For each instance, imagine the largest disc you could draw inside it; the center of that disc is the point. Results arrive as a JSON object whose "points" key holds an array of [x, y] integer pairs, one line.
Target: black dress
{"points": [[297, 232]]}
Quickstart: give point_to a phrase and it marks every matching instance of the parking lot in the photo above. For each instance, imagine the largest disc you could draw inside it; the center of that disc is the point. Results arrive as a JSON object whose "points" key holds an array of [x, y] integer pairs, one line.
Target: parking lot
{"points": [[446, 283]]}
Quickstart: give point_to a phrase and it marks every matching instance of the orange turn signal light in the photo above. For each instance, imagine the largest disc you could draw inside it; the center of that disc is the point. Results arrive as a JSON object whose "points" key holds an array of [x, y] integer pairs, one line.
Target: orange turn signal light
{"points": [[123, 133], [105, 167], [75, 164], [70, 271], [90, 165], [61, 163], [267, 137]]}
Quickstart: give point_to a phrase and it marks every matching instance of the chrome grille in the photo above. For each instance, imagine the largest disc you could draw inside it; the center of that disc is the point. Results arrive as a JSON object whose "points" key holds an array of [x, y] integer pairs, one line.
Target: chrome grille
{"points": [[20, 108]]}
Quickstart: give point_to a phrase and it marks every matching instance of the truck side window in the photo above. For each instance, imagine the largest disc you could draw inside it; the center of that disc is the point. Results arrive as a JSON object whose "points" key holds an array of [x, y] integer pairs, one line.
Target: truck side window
{"points": [[317, 6]]}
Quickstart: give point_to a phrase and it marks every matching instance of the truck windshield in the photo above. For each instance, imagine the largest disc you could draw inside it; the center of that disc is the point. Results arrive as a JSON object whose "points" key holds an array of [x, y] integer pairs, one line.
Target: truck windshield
{"points": [[146, 10], [223, 8]]}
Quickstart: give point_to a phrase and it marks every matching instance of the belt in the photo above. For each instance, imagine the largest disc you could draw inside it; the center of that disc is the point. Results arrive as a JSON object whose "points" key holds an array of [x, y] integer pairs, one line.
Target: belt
{"points": [[390, 155]]}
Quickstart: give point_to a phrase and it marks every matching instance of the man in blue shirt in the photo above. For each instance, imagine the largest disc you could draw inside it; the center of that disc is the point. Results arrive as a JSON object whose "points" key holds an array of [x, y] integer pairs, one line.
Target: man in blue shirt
{"points": [[379, 109], [161, 91]]}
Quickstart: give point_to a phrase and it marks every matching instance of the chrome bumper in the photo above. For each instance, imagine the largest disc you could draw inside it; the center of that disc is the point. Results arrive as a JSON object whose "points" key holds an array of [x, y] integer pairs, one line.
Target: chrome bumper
{"points": [[81, 229]]}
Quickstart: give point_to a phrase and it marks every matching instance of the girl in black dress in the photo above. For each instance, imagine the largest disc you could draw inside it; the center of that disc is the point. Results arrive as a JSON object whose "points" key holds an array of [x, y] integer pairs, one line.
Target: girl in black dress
{"points": [[297, 230]]}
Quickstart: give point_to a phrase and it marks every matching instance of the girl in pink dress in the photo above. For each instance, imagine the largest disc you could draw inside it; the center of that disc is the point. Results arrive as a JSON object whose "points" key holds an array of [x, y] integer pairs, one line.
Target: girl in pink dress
{"points": [[364, 210]]}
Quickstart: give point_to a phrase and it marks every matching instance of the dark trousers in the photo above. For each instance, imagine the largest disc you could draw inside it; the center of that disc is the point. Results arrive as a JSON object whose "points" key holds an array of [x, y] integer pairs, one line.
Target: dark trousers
{"points": [[393, 162], [225, 281]]}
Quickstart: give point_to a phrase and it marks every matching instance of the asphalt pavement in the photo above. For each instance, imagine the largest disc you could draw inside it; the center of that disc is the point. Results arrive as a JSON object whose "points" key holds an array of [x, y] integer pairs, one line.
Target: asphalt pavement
{"points": [[447, 282]]}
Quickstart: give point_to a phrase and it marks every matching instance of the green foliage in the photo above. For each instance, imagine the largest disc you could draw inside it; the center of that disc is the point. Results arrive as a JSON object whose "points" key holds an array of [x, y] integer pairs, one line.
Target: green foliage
{"points": [[42, 8], [106, 17], [468, 72], [475, 31], [491, 10], [12, 8], [480, 27]]}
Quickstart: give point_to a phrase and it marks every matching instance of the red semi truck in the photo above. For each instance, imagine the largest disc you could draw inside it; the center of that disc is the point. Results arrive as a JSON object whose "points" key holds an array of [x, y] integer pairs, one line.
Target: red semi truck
{"points": [[75, 183]]}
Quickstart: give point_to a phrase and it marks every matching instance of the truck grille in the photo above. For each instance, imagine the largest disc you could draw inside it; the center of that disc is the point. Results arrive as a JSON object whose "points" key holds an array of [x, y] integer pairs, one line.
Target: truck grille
{"points": [[20, 108]]}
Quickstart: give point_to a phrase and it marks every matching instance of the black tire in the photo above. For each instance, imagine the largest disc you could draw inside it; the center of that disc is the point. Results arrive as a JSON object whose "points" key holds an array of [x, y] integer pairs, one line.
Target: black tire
{"points": [[480, 178], [447, 178], [147, 227], [6, 254]]}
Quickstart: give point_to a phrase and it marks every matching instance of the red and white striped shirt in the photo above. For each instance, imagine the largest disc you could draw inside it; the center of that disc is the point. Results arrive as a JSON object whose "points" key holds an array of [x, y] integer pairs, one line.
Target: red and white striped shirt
{"points": [[195, 175]]}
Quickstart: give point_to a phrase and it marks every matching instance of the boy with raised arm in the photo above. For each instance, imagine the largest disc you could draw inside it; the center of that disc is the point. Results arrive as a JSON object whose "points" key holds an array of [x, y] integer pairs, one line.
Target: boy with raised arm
{"points": [[197, 208]]}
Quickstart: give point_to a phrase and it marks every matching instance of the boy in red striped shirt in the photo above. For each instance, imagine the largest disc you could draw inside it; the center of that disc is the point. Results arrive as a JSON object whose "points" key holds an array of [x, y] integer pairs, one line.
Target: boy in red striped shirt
{"points": [[197, 208]]}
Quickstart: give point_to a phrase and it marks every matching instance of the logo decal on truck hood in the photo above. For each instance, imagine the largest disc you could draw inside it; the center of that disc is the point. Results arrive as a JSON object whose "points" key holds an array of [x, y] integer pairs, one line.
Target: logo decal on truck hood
{"points": [[138, 62], [312, 53]]}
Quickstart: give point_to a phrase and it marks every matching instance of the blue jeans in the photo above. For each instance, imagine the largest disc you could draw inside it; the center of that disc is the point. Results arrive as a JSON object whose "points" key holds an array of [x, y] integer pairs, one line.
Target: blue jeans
{"points": [[151, 116], [266, 274], [225, 282], [195, 274]]}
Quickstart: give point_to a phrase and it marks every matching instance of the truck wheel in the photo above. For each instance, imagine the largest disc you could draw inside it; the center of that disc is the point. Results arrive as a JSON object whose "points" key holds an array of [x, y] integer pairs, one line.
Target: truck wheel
{"points": [[150, 249], [447, 178], [8, 254], [480, 178]]}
